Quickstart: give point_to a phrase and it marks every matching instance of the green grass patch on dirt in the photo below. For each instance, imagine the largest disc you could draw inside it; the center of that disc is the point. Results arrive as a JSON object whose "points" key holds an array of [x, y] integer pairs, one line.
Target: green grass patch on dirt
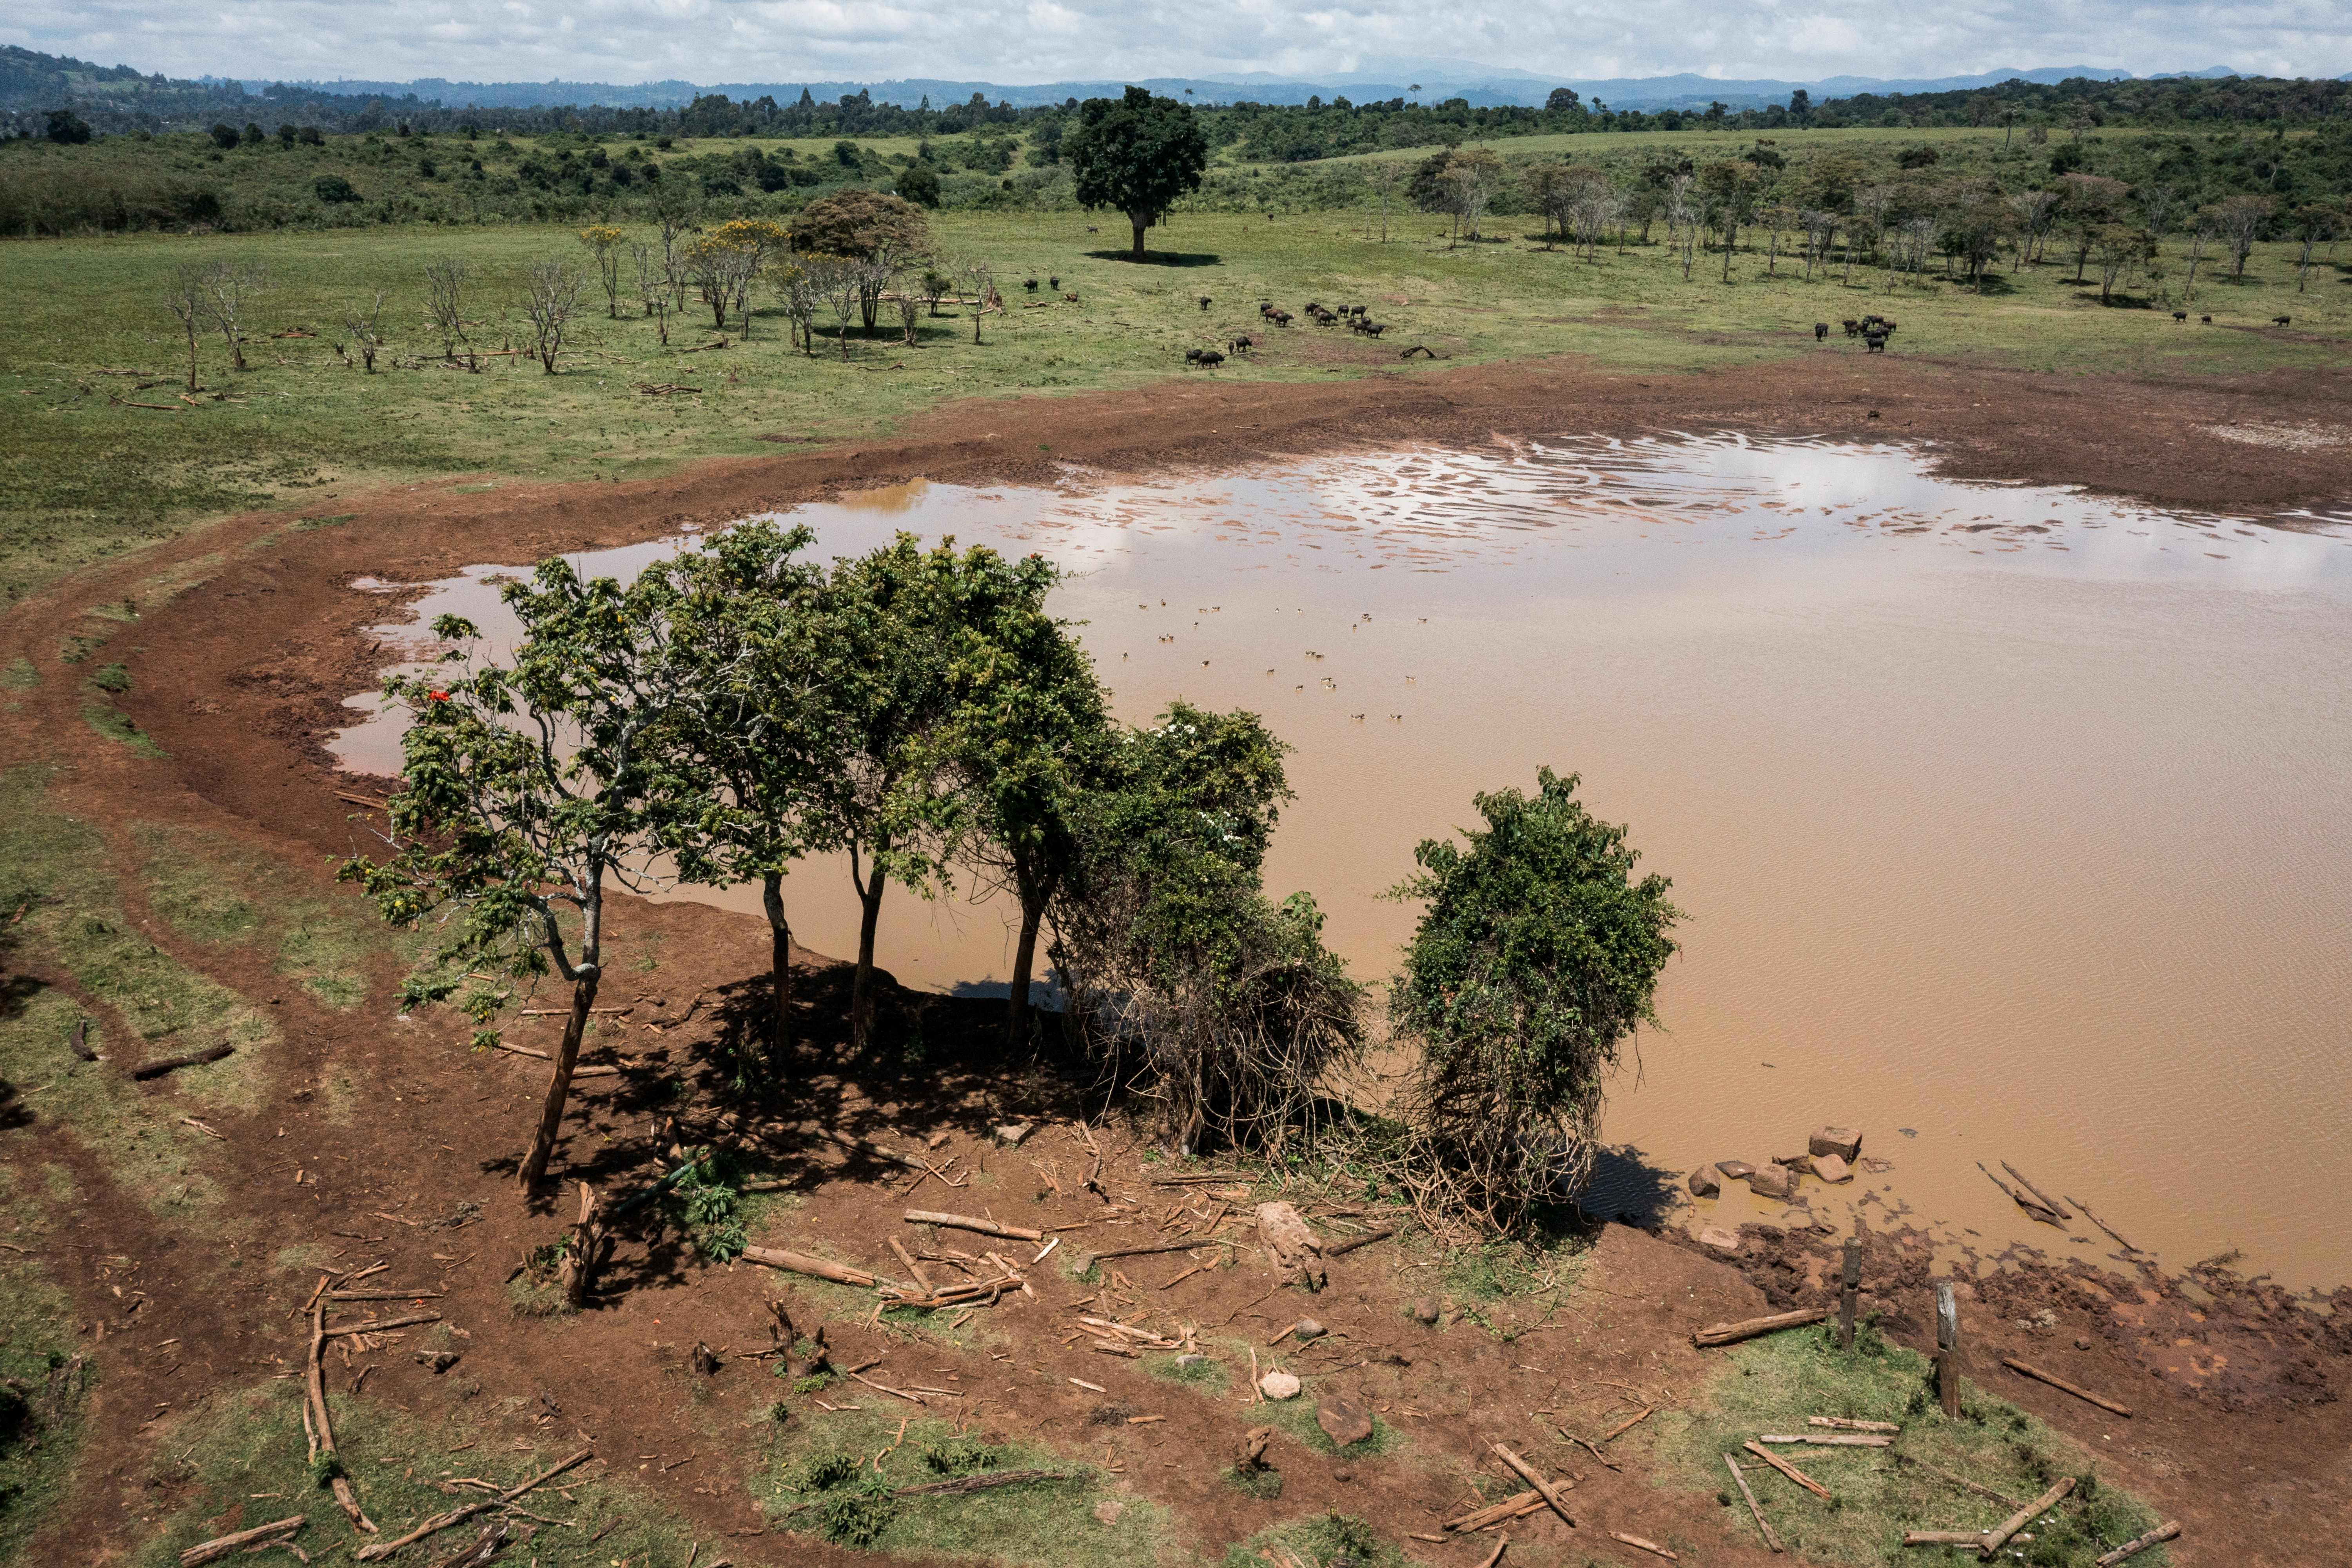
{"points": [[214, 892], [1296, 1418], [1773, 1384], [825, 1460], [116, 726], [254, 1445], [1318, 1541], [39, 1432], [20, 674]]}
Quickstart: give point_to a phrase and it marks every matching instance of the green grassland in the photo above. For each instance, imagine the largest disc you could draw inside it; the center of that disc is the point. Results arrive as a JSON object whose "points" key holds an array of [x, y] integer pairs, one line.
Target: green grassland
{"points": [[86, 475]]}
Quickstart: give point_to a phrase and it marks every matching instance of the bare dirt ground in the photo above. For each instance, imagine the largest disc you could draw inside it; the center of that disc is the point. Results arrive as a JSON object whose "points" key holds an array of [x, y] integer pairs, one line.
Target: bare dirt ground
{"points": [[2238, 1430]]}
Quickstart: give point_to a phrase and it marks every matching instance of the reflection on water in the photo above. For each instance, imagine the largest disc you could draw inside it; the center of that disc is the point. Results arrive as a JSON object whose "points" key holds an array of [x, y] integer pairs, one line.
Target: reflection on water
{"points": [[2003, 814]]}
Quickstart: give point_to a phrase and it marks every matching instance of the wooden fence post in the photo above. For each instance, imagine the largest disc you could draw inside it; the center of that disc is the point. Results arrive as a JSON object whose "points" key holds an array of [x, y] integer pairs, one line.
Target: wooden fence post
{"points": [[1947, 1348], [1850, 1286]]}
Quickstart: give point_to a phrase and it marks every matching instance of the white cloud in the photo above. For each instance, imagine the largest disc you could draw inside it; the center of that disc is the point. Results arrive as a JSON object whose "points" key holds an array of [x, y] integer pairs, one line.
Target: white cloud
{"points": [[1046, 41]]}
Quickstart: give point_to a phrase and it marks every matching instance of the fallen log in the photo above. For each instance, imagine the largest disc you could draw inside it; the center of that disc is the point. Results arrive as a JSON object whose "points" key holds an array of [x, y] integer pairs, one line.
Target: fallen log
{"points": [[1740, 1480], [1844, 1424], [322, 1432], [220, 1546], [2034, 1210], [1943, 1538], [1639, 1544], [377, 1550], [173, 1064], [972, 1223], [385, 1295], [1534, 1478], [1997, 1536], [2047, 1201], [1496, 1555], [1749, 1327], [1831, 1439], [1787, 1469], [485, 1546], [1960, 1481], [1186, 1244], [1627, 1424], [2102, 1225], [2027, 1369], [1353, 1242], [1517, 1506], [2168, 1530], [376, 1325], [801, 1263]]}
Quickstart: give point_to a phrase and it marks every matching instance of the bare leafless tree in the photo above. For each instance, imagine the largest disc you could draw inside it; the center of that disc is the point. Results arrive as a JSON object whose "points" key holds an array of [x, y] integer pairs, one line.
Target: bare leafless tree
{"points": [[362, 324], [230, 289], [551, 289], [184, 297], [982, 275], [445, 282]]}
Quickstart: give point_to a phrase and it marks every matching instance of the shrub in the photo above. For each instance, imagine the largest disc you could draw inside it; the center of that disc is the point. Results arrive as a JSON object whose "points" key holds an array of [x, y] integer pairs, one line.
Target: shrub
{"points": [[333, 189], [1537, 956]]}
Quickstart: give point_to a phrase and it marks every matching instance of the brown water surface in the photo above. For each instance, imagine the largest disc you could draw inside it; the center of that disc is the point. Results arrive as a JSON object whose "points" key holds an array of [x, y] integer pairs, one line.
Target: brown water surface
{"points": [[2007, 820]]}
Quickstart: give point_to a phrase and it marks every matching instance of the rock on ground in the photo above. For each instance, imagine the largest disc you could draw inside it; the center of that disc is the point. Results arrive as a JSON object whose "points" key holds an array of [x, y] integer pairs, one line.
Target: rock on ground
{"points": [[1704, 1183], [1845, 1143]]}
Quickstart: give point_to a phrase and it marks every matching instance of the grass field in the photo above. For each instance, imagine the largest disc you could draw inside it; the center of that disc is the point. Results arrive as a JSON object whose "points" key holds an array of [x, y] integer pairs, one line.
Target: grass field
{"points": [[86, 474]]}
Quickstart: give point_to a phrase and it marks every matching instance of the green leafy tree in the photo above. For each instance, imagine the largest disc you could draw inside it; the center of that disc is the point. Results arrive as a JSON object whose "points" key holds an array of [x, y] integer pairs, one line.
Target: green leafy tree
{"points": [[528, 789], [1537, 957], [1137, 154], [1032, 740], [1225, 1004], [919, 184], [752, 733]]}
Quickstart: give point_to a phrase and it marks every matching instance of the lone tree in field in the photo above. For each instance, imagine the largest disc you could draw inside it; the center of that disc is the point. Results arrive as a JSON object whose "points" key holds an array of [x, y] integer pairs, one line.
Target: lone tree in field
{"points": [[603, 242], [527, 786], [447, 281], [551, 299], [230, 289], [1138, 154], [755, 737], [1537, 957], [183, 296]]}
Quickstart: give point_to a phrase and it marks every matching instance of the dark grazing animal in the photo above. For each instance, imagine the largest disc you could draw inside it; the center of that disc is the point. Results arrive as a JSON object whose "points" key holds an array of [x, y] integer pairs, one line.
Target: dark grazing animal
{"points": [[2282, 321], [2179, 315], [1210, 359], [1243, 345], [1874, 340], [1052, 282], [1852, 328], [1821, 331], [1030, 284], [2207, 319], [1204, 301]]}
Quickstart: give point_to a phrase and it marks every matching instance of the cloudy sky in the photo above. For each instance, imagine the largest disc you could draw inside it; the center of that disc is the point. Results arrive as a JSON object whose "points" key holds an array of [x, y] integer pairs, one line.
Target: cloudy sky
{"points": [[1045, 40]]}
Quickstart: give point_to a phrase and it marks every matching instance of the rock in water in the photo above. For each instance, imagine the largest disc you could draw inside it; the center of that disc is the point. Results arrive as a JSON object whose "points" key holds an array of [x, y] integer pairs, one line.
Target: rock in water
{"points": [[1342, 1422], [1772, 1182], [1735, 1170], [1830, 1168], [1704, 1183], [1425, 1309], [1845, 1143], [1278, 1385]]}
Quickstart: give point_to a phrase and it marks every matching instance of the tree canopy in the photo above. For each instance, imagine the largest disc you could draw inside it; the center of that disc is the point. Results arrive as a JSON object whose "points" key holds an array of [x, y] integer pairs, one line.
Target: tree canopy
{"points": [[1139, 153]]}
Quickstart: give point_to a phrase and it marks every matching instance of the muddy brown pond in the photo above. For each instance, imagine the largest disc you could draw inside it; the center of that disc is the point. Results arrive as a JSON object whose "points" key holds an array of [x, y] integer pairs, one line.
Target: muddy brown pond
{"points": [[2008, 821]]}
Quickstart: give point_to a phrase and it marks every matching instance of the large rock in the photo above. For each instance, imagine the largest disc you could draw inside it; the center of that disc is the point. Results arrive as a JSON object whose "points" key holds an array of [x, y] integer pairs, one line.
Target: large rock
{"points": [[1845, 1143], [1735, 1170], [1425, 1309], [1830, 1168], [1278, 1385], [1704, 1183], [1343, 1422], [1769, 1181], [1722, 1240], [1296, 1253]]}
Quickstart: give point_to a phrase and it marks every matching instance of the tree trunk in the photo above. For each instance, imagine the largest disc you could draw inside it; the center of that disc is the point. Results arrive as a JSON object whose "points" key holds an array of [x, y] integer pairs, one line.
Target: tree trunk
{"points": [[191, 362], [780, 959], [1025, 960], [1140, 221], [559, 1086], [861, 988]]}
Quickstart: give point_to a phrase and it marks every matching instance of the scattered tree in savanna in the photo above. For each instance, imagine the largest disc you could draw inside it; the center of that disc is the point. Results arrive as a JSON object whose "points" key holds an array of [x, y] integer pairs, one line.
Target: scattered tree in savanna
{"points": [[1137, 154], [1778, 218], [1552, 190], [2156, 205], [2241, 221], [1821, 232], [1537, 958], [676, 207], [910, 313], [361, 322], [1977, 223], [981, 273], [230, 289], [445, 282], [1866, 222], [1471, 176], [603, 242], [753, 736], [2035, 211], [1031, 739], [869, 227], [723, 264], [2088, 203], [527, 792], [919, 184], [837, 281], [1225, 1005], [1732, 188], [800, 291], [2313, 222], [652, 290], [1386, 175], [551, 299], [184, 296], [2118, 248], [936, 285]]}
